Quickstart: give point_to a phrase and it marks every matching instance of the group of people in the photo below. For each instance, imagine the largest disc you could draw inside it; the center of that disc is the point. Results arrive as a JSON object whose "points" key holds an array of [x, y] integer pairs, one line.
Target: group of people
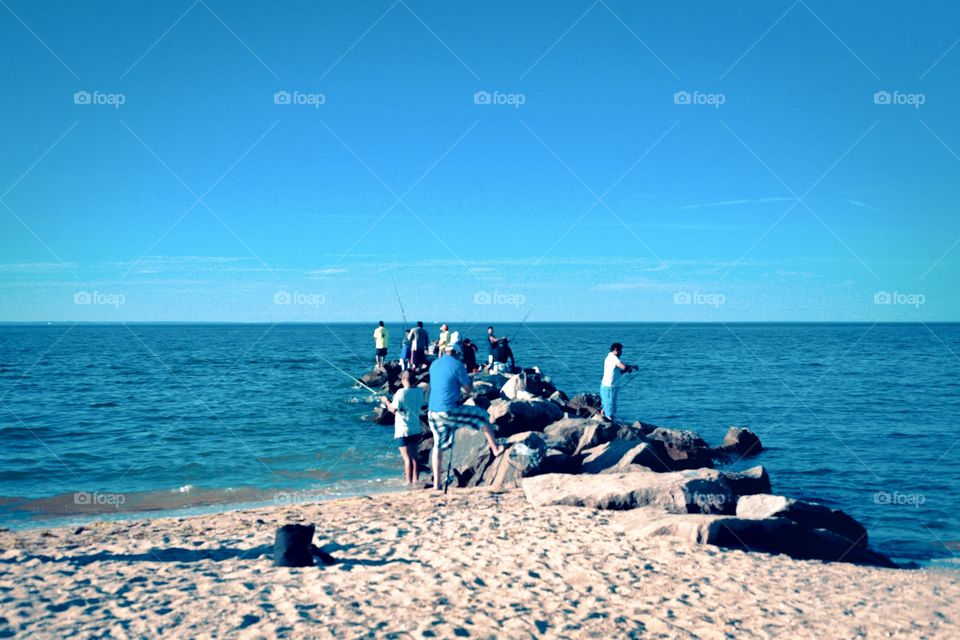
{"points": [[449, 379]]}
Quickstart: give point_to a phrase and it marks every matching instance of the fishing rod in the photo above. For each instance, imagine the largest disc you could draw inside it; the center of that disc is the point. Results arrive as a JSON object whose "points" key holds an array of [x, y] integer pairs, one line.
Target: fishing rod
{"points": [[355, 380], [403, 314]]}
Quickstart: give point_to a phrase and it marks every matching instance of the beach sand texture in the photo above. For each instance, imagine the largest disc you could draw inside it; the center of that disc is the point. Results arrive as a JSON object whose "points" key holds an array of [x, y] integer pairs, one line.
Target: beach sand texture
{"points": [[471, 564]]}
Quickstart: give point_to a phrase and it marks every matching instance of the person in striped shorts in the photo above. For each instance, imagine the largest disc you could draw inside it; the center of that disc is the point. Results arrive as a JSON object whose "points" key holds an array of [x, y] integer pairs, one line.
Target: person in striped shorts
{"points": [[445, 414]]}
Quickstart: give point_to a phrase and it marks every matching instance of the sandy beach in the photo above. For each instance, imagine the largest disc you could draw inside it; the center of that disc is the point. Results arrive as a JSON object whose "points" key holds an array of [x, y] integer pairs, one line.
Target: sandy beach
{"points": [[472, 564]]}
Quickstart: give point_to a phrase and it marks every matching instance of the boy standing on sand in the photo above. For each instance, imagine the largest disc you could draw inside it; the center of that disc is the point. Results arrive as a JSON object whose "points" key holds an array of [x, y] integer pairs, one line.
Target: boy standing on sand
{"points": [[380, 339], [407, 404], [445, 414], [612, 368]]}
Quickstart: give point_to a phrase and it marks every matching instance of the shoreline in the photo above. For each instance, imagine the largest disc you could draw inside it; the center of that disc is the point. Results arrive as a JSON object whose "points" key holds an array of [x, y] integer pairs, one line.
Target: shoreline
{"points": [[474, 562]]}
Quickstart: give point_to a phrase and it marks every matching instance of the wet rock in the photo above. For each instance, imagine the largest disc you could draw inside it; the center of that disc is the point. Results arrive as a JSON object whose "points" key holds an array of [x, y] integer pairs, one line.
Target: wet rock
{"points": [[686, 448], [771, 535], [748, 482], [741, 442], [808, 515]]}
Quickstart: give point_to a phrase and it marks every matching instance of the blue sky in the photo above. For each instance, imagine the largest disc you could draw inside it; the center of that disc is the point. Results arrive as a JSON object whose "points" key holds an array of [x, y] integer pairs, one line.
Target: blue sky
{"points": [[702, 161]]}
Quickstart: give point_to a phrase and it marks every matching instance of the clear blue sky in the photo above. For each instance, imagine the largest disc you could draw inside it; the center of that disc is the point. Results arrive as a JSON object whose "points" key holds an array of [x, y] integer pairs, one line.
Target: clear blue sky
{"points": [[802, 196]]}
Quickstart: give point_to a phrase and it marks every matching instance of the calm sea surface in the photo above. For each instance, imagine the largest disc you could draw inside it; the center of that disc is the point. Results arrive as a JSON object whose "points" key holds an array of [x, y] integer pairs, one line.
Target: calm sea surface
{"points": [[109, 420]]}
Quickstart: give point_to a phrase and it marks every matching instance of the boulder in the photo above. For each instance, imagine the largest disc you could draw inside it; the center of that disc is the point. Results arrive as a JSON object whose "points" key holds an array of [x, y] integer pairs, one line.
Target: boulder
{"points": [[556, 461], [748, 482], [380, 415], [524, 455], [772, 535], [686, 448], [808, 515], [616, 455], [699, 491], [375, 378], [566, 434], [742, 442], [471, 458], [515, 388], [584, 405], [517, 416]]}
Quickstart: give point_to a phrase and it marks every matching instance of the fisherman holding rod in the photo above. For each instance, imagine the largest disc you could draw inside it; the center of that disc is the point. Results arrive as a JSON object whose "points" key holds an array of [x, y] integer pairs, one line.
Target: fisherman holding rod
{"points": [[613, 367]]}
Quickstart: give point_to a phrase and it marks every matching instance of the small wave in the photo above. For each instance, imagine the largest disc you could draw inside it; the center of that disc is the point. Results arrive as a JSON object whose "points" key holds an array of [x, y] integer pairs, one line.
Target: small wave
{"points": [[102, 405]]}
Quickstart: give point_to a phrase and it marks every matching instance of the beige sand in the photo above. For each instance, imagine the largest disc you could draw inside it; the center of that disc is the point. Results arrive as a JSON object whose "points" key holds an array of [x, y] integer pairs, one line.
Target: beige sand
{"points": [[472, 564]]}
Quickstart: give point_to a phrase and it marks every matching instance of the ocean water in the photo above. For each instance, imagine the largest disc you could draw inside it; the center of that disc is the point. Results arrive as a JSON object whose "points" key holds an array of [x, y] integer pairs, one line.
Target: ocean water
{"points": [[113, 420]]}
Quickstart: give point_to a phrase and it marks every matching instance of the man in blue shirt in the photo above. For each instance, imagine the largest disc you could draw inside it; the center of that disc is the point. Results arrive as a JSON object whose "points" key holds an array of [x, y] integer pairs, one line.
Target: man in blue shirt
{"points": [[445, 414]]}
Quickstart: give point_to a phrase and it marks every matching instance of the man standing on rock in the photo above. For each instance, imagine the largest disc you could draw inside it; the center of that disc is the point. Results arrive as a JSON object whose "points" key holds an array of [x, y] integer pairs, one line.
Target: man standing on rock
{"points": [[418, 346], [612, 368], [445, 414], [380, 339]]}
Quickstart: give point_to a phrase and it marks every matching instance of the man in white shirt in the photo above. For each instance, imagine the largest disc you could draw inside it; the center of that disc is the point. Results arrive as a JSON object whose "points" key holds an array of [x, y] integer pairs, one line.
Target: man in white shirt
{"points": [[613, 367]]}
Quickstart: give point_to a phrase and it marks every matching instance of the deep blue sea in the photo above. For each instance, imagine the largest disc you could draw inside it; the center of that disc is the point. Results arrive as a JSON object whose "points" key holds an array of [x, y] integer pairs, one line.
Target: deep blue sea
{"points": [[107, 420]]}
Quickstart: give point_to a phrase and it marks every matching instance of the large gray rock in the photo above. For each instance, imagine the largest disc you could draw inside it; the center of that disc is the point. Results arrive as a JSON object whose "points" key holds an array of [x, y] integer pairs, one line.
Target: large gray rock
{"points": [[686, 448], [471, 458], [566, 434], [772, 535], [741, 442], [524, 456], [808, 515], [749, 481], [616, 455], [517, 416], [584, 405], [699, 491], [556, 461]]}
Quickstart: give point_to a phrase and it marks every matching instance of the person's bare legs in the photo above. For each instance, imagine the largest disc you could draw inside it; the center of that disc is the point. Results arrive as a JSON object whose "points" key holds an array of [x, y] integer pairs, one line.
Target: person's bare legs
{"points": [[495, 448], [413, 470], [435, 459], [405, 454]]}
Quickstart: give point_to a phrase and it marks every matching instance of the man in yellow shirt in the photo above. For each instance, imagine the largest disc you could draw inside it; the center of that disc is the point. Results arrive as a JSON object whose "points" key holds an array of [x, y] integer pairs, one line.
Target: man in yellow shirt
{"points": [[380, 339]]}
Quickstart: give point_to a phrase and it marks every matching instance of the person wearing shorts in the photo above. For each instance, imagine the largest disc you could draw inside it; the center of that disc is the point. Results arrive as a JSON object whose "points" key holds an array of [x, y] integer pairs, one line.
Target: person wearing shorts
{"points": [[445, 414], [380, 340], [407, 404]]}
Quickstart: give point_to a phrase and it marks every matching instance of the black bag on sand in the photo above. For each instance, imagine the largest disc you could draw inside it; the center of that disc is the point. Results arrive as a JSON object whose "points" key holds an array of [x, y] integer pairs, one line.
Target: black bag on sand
{"points": [[291, 548]]}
